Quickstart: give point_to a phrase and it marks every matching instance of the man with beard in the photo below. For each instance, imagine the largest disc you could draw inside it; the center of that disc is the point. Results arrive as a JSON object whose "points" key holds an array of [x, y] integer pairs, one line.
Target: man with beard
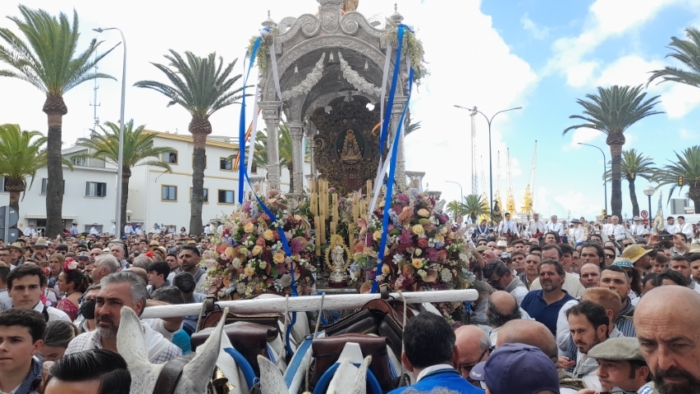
{"points": [[639, 257], [189, 262], [544, 305], [616, 279], [666, 320], [588, 324], [119, 290]]}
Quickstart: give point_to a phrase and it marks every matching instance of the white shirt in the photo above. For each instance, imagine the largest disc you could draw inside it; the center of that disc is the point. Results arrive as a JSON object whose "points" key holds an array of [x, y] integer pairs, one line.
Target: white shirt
{"points": [[519, 293], [555, 227], [637, 229], [536, 226], [577, 234], [94, 231], [572, 285], [128, 230], [157, 326], [671, 228], [207, 230], [113, 230], [138, 231], [54, 314], [616, 231], [507, 225], [687, 229], [29, 232], [432, 369]]}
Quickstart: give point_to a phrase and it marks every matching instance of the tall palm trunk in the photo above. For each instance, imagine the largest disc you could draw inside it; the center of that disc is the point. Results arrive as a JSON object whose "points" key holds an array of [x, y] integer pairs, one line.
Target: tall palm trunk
{"points": [[16, 187], [615, 141], [290, 167], [14, 200], [200, 128], [126, 175], [694, 194], [633, 197], [55, 108]]}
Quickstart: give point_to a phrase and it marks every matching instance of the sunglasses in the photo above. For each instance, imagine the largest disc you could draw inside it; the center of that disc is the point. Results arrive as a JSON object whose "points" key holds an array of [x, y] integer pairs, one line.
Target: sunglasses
{"points": [[466, 368], [610, 256]]}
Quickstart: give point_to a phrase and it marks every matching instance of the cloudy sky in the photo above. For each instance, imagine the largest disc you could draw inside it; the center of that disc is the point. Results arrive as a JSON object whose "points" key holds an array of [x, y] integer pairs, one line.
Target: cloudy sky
{"points": [[541, 55]]}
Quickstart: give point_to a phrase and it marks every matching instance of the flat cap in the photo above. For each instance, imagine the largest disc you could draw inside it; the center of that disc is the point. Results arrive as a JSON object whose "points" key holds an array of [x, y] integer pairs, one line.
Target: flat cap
{"points": [[626, 348]]}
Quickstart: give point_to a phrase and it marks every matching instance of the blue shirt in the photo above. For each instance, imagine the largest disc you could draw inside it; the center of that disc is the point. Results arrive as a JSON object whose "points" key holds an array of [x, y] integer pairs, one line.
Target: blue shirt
{"points": [[449, 379], [182, 340], [535, 306]]}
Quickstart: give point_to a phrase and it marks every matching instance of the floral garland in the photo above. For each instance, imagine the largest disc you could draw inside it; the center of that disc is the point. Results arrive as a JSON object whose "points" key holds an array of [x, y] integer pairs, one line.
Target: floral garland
{"points": [[424, 252], [250, 259], [412, 48], [264, 48]]}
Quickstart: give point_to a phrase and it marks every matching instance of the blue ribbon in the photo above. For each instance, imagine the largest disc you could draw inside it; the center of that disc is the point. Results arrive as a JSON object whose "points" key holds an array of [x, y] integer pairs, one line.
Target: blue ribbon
{"points": [[392, 92], [390, 185], [242, 169]]}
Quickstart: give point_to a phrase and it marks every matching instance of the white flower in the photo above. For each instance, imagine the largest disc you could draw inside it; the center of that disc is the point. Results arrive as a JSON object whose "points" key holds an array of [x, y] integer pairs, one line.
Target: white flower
{"points": [[422, 273], [236, 263], [262, 265], [241, 288], [445, 275], [397, 258]]}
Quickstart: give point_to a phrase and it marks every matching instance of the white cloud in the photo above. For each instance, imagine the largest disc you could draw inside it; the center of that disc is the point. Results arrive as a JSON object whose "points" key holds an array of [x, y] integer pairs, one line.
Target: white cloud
{"points": [[606, 19], [584, 136], [530, 26], [679, 99], [686, 134], [628, 70]]}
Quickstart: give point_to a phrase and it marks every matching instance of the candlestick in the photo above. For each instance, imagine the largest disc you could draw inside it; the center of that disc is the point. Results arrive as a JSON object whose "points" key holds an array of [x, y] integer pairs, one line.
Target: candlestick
{"points": [[332, 228], [335, 207], [317, 227], [323, 229], [351, 235]]}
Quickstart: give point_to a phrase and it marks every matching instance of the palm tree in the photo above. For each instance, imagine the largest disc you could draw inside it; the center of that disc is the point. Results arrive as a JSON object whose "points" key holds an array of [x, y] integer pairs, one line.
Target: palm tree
{"points": [[686, 165], [201, 86], [612, 111], [21, 155], [475, 206], [411, 128], [47, 60], [455, 208], [285, 151], [633, 165], [138, 151], [688, 53]]}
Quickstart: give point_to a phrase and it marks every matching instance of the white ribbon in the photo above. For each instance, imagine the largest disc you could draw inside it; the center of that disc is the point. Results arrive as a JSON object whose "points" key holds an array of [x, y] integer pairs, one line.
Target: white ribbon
{"points": [[253, 132], [382, 167], [275, 73]]}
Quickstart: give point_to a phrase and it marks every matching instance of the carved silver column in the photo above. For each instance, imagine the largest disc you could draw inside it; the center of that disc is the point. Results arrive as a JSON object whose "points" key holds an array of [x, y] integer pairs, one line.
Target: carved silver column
{"points": [[296, 130], [271, 116], [399, 103], [310, 133]]}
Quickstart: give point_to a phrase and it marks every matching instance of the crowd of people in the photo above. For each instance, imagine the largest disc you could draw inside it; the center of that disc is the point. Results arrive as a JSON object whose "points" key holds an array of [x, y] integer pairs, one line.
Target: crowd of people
{"points": [[610, 311]]}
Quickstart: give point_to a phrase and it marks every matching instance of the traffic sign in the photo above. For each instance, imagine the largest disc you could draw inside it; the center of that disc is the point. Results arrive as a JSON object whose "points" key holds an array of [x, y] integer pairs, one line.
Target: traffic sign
{"points": [[644, 213], [8, 223]]}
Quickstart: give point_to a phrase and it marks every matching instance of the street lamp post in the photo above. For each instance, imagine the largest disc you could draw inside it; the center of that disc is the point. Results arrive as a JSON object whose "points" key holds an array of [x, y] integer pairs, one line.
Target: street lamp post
{"points": [[461, 195], [649, 191], [120, 161], [605, 181], [489, 121]]}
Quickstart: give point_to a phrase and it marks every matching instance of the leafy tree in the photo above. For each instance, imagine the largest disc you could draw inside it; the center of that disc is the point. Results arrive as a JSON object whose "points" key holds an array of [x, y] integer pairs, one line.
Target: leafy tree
{"points": [[202, 86], [475, 206], [633, 165], [455, 208], [21, 155], [285, 151], [612, 111], [47, 59], [688, 53], [687, 165], [138, 151]]}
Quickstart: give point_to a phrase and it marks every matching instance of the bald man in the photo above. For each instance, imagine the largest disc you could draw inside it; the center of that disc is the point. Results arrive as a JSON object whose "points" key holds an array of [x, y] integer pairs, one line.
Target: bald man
{"points": [[473, 345], [534, 333], [667, 320], [502, 307]]}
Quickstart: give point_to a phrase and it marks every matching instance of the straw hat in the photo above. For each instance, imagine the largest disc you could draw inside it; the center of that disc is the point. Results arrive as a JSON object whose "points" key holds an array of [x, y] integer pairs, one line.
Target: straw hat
{"points": [[634, 252], [17, 246]]}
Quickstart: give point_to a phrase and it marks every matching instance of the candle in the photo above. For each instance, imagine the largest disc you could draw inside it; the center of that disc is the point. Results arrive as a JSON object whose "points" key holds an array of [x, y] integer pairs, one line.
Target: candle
{"points": [[351, 235], [369, 187], [323, 229], [335, 208], [332, 228], [317, 227]]}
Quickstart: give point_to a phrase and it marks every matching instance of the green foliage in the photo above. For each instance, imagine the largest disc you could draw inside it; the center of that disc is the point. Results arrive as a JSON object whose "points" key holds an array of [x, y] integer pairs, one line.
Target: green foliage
{"points": [[412, 48], [47, 59], [634, 165], [263, 50], [613, 110], [687, 165], [138, 146], [412, 128], [199, 84], [285, 148], [688, 53], [475, 206]]}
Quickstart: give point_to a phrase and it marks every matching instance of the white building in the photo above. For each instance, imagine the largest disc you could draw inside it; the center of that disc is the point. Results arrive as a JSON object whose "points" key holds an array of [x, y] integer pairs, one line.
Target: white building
{"points": [[155, 195], [89, 195]]}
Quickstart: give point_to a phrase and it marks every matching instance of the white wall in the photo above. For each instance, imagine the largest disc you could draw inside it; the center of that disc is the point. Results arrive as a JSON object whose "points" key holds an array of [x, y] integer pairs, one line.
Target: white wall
{"points": [[76, 206]]}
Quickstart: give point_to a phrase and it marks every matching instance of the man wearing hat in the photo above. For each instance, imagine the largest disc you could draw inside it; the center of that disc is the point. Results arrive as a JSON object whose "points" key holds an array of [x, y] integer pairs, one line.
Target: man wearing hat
{"points": [[16, 253], [29, 231], [517, 368], [638, 256], [637, 229], [577, 234], [555, 227], [40, 250], [621, 366], [94, 231], [74, 232]]}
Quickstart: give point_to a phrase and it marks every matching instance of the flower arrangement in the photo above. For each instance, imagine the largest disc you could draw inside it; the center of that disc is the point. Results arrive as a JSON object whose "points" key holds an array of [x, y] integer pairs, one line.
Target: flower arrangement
{"points": [[250, 258], [424, 251]]}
